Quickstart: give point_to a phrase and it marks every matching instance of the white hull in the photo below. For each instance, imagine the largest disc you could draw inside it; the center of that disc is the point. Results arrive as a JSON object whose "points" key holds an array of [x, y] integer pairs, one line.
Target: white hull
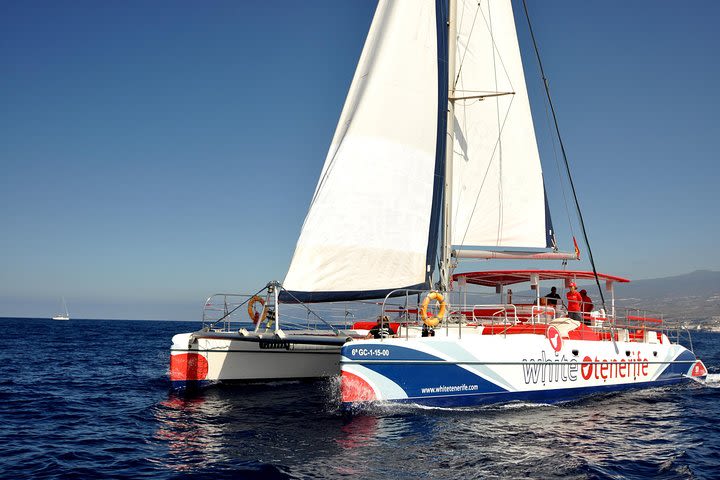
{"points": [[197, 360], [449, 371], [61, 317]]}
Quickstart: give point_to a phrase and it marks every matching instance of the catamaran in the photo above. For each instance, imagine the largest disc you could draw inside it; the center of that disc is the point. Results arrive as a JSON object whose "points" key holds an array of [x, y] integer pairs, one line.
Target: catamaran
{"points": [[434, 161]]}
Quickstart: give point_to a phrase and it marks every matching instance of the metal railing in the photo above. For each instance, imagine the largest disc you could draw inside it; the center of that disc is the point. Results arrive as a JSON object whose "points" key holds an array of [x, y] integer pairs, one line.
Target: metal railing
{"points": [[629, 324], [225, 312], [228, 312]]}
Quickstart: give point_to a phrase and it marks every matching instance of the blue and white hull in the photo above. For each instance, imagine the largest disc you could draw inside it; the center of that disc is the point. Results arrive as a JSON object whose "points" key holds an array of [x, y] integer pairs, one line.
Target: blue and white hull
{"points": [[479, 369]]}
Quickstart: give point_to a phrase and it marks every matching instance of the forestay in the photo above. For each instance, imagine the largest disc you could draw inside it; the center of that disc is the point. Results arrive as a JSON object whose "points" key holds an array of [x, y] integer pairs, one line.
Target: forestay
{"points": [[368, 229], [498, 193]]}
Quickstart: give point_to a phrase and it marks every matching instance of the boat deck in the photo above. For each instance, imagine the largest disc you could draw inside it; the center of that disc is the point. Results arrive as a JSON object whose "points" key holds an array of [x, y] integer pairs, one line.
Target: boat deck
{"points": [[515, 319]]}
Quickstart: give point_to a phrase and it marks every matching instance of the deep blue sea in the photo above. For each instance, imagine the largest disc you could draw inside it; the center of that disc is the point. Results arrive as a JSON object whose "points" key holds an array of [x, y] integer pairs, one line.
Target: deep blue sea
{"points": [[90, 398]]}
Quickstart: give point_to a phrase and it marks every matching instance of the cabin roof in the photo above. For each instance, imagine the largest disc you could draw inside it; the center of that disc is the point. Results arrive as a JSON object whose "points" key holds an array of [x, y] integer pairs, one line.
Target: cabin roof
{"points": [[510, 277]]}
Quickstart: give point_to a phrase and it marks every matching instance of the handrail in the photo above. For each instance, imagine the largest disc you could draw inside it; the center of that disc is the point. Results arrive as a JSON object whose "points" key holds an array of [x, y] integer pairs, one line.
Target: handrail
{"points": [[644, 319], [631, 328], [407, 292], [541, 309], [636, 325], [227, 313], [503, 309], [224, 311]]}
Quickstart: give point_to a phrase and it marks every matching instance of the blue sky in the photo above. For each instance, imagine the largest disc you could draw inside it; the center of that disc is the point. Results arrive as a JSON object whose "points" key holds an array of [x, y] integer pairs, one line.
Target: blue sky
{"points": [[153, 153]]}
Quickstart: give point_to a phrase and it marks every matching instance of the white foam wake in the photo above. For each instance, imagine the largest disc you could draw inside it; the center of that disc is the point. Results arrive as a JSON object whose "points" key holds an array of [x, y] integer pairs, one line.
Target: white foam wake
{"points": [[391, 406]]}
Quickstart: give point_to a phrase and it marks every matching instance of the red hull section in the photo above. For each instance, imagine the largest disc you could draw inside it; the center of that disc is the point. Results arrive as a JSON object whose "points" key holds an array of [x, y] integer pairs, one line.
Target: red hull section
{"points": [[355, 389], [699, 369], [188, 366]]}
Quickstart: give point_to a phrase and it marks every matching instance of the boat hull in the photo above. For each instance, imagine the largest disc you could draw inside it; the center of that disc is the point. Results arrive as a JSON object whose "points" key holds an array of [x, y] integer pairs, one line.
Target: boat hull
{"points": [[484, 369], [197, 360]]}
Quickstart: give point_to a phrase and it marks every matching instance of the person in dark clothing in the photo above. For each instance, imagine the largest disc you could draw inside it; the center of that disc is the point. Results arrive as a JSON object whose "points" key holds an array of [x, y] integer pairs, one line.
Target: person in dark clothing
{"points": [[382, 329], [552, 298], [427, 331]]}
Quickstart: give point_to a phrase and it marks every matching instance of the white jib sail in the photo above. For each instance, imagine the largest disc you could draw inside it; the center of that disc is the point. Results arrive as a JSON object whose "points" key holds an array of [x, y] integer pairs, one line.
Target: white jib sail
{"points": [[498, 193], [368, 225]]}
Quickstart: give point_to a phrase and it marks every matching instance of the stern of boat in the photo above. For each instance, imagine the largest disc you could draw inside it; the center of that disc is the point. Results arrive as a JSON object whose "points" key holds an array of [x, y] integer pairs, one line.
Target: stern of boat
{"points": [[188, 367]]}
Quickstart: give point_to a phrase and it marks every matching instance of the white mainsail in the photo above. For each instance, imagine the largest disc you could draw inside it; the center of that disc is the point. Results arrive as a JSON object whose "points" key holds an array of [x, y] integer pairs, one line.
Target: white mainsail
{"points": [[368, 227], [498, 194]]}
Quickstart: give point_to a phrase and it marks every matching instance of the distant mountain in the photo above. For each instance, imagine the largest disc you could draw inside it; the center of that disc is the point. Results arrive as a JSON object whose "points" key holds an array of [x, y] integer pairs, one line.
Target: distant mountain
{"points": [[700, 283], [692, 298]]}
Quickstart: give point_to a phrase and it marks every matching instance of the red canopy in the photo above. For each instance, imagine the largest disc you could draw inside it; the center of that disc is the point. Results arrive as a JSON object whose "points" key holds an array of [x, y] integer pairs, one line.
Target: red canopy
{"points": [[510, 277]]}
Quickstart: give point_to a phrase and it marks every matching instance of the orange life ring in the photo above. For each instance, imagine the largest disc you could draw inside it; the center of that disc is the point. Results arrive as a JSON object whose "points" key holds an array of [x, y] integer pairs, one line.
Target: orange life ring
{"points": [[433, 321], [256, 316]]}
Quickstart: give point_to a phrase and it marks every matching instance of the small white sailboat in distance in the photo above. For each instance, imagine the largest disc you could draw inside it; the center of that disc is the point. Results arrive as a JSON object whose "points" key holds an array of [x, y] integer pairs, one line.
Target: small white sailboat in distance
{"points": [[62, 316]]}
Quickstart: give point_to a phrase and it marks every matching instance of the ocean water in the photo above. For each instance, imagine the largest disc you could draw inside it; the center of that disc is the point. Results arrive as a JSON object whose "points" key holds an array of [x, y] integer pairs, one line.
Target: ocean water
{"points": [[89, 399]]}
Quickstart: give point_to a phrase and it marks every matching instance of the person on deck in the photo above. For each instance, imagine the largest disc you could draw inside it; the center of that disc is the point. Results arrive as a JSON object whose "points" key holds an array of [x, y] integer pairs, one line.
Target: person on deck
{"points": [[574, 300], [382, 328], [552, 298], [587, 305]]}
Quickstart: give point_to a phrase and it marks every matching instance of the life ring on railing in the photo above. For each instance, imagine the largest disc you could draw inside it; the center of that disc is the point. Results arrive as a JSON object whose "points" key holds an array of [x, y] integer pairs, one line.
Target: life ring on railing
{"points": [[256, 316], [433, 321]]}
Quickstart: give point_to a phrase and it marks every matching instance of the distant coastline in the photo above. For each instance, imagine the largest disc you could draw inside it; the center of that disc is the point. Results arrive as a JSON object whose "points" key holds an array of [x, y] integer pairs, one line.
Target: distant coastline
{"points": [[690, 299]]}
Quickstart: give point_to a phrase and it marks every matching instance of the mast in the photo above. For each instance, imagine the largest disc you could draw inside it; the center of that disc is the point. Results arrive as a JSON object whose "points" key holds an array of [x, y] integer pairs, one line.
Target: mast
{"points": [[446, 235]]}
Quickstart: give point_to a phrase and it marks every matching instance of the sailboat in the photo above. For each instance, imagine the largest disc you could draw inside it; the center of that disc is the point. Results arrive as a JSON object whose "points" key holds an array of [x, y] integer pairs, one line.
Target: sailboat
{"points": [[434, 161], [62, 316]]}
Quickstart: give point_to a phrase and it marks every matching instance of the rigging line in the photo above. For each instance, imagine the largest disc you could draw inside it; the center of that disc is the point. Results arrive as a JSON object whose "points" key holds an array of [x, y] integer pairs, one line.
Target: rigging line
{"points": [[501, 212], [464, 104], [557, 167], [212, 324], [309, 310], [496, 49], [562, 148], [458, 29], [487, 170], [462, 60]]}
